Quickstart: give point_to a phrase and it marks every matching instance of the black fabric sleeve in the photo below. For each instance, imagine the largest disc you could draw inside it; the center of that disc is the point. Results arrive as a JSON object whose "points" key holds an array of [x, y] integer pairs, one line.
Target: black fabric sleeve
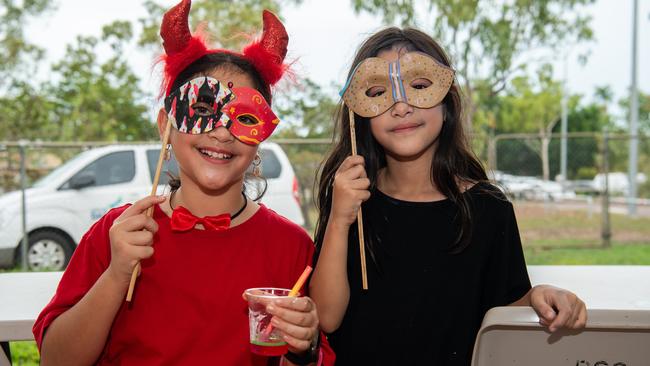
{"points": [[507, 277]]}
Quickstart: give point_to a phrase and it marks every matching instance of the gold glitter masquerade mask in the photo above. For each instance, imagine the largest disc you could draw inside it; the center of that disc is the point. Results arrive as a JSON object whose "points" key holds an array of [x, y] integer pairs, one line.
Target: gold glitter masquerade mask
{"points": [[414, 78]]}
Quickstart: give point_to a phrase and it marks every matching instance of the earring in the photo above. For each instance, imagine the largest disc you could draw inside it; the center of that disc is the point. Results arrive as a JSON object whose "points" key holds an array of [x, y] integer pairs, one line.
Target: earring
{"points": [[257, 165], [168, 152]]}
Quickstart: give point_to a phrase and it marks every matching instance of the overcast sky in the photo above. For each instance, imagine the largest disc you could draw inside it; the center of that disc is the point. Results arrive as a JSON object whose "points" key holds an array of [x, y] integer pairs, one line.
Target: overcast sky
{"points": [[325, 34]]}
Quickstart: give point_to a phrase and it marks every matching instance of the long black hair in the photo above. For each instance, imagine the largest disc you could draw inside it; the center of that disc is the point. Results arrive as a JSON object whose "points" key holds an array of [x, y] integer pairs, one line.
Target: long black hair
{"points": [[453, 166], [231, 62]]}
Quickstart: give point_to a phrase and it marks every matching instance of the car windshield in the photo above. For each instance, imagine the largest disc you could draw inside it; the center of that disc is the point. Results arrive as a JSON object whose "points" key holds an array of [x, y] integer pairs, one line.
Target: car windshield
{"points": [[57, 172]]}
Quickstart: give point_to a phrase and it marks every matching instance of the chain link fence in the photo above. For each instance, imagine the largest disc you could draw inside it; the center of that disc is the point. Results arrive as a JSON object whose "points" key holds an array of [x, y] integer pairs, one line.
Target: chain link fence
{"points": [[589, 208]]}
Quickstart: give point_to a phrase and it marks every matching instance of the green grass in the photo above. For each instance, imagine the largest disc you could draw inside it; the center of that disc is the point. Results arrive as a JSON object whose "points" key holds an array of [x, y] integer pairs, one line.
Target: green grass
{"points": [[638, 254], [24, 353], [548, 226]]}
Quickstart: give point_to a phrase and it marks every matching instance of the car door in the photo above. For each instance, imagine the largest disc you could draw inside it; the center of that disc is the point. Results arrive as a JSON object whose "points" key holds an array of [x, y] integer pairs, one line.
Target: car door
{"points": [[105, 183], [169, 169]]}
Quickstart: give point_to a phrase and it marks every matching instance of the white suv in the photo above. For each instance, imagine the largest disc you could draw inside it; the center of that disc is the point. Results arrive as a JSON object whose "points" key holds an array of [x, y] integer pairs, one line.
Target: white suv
{"points": [[63, 205]]}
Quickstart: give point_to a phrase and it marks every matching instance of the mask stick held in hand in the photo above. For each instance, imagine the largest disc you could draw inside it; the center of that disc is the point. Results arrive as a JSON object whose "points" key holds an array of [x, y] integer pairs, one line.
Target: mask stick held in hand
{"points": [[362, 245], [156, 178]]}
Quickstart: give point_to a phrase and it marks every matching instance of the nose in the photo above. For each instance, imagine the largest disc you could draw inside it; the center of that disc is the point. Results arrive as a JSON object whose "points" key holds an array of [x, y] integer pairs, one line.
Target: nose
{"points": [[401, 109], [221, 134]]}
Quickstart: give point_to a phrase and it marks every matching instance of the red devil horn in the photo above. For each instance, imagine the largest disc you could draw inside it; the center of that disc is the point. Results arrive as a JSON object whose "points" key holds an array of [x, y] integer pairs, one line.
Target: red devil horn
{"points": [[274, 37], [267, 54], [175, 30]]}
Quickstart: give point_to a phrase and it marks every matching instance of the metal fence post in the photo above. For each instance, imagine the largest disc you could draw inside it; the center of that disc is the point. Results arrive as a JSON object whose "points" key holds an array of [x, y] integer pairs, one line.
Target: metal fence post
{"points": [[22, 145], [606, 231], [492, 153]]}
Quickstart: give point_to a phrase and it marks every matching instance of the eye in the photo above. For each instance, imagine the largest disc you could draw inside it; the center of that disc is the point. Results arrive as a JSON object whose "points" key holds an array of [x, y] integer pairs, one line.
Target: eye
{"points": [[247, 119], [202, 109], [420, 83], [375, 91]]}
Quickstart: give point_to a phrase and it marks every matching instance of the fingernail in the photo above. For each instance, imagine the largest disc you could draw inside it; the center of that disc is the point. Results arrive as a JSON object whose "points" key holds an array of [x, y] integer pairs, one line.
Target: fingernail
{"points": [[550, 314], [270, 308], [274, 322]]}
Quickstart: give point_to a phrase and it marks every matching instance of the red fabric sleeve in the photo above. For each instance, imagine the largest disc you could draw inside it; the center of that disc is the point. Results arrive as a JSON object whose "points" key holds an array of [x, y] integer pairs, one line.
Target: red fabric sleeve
{"points": [[90, 259], [327, 356]]}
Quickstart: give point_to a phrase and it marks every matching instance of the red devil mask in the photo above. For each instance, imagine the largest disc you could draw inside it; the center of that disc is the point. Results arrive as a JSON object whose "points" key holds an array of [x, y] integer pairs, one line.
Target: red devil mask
{"points": [[247, 114], [204, 103]]}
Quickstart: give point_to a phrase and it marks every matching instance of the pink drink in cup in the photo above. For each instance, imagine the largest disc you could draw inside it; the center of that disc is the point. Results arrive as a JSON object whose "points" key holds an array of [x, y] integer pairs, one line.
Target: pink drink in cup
{"points": [[265, 340]]}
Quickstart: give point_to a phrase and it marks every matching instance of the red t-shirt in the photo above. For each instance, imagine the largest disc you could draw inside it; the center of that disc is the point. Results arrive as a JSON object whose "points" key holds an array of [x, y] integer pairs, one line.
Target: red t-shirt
{"points": [[187, 307]]}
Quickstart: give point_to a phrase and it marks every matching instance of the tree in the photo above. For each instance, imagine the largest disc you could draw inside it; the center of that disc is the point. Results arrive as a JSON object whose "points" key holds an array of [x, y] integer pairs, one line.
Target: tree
{"points": [[306, 111], [229, 22], [532, 107], [489, 39], [17, 56], [98, 100], [583, 152], [23, 111], [644, 140], [644, 111]]}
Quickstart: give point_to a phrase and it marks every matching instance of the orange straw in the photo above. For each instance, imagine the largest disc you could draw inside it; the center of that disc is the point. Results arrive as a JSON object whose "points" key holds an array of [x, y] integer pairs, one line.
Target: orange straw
{"points": [[300, 282], [292, 293]]}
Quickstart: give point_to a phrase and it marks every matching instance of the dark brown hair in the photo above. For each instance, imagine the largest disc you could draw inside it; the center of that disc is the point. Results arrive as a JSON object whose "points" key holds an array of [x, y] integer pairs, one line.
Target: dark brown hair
{"points": [[231, 62], [453, 166]]}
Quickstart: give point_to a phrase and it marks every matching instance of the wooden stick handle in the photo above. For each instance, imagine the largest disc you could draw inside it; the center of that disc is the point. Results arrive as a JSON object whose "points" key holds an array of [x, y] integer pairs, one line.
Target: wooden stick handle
{"points": [[362, 245], [156, 179]]}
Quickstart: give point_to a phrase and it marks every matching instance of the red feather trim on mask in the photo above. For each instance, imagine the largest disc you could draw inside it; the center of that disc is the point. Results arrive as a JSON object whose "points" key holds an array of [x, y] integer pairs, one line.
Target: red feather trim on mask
{"points": [[175, 63], [266, 54]]}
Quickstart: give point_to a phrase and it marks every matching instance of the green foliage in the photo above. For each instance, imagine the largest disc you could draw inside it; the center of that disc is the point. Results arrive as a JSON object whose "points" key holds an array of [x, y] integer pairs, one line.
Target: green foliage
{"points": [[228, 22], [306, 111], [96, 99], [530, 105], [24, 353], [25, 113], [22, 109], [489, 39], [17, 56], [644, 111], [533, 106]]}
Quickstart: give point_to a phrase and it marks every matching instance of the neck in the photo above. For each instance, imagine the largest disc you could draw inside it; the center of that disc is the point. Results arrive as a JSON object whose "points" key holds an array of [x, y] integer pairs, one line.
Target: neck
{"points": [[409, 179]]}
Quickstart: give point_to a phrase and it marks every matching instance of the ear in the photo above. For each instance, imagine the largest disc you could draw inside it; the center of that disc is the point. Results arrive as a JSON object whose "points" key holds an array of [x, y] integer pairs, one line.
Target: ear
{"points": [[162, 122]]}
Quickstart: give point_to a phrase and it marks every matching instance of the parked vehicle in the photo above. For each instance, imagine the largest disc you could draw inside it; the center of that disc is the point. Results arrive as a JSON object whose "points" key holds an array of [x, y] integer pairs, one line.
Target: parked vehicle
{"points": [[617, 182], [63, 205], [532, 188]]}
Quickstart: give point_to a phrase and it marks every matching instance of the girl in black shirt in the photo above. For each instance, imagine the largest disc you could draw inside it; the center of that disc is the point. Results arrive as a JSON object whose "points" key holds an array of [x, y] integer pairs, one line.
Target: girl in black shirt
{"points": [[443, 245]]}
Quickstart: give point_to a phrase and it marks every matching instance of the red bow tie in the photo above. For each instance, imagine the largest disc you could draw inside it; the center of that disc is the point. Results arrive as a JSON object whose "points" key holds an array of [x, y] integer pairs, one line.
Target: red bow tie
{"points": [[183, 220]]}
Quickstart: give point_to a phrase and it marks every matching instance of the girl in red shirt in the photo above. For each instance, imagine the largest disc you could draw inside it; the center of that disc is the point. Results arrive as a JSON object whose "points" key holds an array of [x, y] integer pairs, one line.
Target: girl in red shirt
{"points": [[204, 244]]}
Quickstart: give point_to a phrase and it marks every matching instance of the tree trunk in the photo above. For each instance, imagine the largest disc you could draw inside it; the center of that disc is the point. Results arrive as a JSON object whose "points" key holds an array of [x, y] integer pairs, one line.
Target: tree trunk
{"points": [[546, 140]]}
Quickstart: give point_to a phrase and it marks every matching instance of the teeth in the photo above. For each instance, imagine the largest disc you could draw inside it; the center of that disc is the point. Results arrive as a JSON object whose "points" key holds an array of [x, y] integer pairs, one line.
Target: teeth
{"points": [[216, 155]]}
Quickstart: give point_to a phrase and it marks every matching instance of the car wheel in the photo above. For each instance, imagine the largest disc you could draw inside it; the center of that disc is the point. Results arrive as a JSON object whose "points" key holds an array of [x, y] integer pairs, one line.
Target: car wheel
{"points": [[48, 251]]}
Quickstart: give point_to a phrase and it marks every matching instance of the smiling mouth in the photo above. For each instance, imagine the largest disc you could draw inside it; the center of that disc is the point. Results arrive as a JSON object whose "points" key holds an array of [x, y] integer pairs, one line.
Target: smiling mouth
{"points": [[216, 155], [405, 128]]}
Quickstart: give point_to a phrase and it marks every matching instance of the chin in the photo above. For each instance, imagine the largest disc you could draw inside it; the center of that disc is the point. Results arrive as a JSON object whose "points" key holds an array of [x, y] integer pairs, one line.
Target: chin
{"points": [[219, 183], [407, 153]]}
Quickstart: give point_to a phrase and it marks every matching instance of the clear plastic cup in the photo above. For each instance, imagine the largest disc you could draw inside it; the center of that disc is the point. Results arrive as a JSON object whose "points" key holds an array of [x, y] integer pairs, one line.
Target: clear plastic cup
{"points": [[264, 338]]}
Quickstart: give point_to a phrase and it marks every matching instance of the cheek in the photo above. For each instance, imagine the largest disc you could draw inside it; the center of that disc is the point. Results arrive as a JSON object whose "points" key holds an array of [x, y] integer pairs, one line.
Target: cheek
{"points": [[248, 152], [378, 123], [181, 141]]}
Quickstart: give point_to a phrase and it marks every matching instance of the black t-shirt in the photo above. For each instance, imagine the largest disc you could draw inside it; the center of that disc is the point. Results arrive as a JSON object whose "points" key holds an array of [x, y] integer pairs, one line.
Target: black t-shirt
{"points": [[424, 305]]}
